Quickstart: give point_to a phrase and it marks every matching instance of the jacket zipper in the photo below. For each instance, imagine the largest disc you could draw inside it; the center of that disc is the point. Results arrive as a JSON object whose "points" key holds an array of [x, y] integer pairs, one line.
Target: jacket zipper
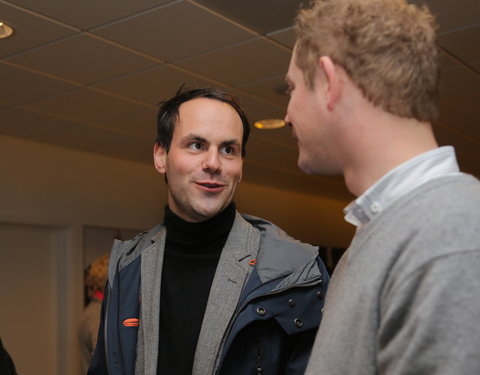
{"points": [[259, 361], [237, 312]]}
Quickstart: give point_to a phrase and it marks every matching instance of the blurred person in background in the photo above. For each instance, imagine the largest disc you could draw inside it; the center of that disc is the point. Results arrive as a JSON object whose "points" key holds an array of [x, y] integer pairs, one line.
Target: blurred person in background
{"points": [[95, 280]]}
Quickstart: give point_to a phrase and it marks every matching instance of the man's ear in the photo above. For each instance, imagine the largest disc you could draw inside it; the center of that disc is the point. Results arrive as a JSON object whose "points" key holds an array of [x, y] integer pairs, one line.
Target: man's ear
{"points": [[159, 158], [333, 87]]}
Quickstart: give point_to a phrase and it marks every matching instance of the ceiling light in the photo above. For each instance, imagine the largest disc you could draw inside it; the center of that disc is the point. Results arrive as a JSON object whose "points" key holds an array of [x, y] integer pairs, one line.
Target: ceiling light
{"points": [[5, 30], [269, 124]]}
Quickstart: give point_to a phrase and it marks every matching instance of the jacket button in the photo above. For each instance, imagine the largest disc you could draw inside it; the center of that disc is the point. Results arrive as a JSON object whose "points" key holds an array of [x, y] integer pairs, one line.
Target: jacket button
{"points": [[291, 302], [261, 311], [319, 295], [298, 323]]}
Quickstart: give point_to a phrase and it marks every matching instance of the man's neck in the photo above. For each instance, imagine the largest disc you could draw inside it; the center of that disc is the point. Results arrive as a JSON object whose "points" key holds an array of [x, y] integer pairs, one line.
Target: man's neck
{"points": [[386, 142]]}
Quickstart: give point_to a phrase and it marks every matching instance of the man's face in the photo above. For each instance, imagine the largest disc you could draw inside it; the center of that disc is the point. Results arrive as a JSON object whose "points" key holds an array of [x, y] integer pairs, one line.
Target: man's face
{"points": [[204, 164], [308, 116]]}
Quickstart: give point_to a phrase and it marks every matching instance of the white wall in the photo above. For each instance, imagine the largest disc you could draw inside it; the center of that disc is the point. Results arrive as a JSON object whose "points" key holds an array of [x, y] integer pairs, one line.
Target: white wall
{"points": [[46, 186], [309, 218], [30, 291]]}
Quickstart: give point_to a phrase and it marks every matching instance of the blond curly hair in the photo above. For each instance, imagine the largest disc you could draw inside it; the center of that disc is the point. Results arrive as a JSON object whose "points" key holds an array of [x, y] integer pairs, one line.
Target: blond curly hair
{"points": [[387, 47], [96, 275]]}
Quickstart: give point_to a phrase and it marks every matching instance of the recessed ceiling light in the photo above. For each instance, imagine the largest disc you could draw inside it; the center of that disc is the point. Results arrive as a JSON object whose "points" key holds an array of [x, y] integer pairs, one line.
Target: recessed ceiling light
{"points": [[269, 124], [5, 30]]}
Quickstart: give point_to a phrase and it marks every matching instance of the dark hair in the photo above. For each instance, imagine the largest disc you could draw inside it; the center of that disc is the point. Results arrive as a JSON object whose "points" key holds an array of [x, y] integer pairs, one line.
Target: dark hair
{"points": [[168, 112]]}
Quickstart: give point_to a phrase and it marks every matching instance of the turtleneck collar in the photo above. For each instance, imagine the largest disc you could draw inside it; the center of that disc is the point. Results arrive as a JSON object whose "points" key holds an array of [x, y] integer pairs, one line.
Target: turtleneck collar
{"points": [[186, 236]]}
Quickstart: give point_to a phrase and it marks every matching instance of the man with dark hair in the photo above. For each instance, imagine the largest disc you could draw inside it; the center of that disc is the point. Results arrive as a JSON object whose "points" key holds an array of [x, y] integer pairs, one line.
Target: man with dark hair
{"points": [[405, 296], [208, 291]]}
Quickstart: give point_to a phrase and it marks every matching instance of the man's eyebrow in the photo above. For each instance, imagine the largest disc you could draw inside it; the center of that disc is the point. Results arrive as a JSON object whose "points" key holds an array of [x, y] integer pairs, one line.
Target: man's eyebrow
{"points": [[195, 137], [230, 142]]}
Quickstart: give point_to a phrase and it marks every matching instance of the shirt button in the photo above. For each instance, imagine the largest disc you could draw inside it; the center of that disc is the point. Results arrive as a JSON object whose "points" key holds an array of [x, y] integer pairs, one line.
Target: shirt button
{"points": [[375, 207], [291, 302], [319, 295], [261, 311], [298, 322]]}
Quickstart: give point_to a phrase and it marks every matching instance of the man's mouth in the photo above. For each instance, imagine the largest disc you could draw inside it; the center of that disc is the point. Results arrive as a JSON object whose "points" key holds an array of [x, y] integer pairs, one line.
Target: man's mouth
{"points": [[210, 186]]}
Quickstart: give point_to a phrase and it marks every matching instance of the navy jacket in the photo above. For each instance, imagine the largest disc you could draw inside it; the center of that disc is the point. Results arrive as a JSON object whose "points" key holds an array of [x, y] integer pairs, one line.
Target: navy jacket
{"points": [[264, 308]]}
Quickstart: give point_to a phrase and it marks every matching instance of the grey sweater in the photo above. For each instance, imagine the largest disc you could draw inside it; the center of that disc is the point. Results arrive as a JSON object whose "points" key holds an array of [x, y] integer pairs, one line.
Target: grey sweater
{"points": [[405, 297]]}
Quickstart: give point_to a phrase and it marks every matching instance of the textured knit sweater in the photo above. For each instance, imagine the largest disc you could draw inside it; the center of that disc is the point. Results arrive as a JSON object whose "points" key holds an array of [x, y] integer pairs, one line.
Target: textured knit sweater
{"points": [[405, 297]]}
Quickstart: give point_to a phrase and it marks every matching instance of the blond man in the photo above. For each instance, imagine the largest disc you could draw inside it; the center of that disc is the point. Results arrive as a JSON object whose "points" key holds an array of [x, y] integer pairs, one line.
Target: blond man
{"points": [[405, 297]]}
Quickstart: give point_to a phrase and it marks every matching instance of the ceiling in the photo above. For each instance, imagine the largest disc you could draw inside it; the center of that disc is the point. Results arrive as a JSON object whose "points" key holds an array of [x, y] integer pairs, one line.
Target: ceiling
{"points": [[87, 75]]}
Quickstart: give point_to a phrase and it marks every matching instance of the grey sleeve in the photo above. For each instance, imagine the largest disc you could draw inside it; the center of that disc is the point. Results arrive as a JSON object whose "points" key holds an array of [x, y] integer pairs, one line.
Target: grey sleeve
{"points": [[429, 322]]}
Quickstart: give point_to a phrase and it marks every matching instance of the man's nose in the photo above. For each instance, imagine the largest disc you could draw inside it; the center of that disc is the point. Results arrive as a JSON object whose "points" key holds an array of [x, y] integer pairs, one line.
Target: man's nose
{"points": [[212, 162], [286, 119]]}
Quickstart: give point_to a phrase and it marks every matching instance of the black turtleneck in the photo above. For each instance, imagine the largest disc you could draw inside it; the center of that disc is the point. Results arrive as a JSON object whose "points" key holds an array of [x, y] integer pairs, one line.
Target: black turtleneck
{"points": [[191, 256]]}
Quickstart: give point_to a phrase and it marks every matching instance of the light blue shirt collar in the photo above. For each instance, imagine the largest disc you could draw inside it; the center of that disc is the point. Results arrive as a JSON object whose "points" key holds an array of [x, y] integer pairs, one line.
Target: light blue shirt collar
{"points": [[400, 181]]}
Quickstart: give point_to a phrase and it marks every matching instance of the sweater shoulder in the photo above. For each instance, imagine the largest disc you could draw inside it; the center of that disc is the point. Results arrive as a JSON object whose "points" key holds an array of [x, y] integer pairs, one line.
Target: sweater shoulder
{"points": [[437, 223], [446, 207]]}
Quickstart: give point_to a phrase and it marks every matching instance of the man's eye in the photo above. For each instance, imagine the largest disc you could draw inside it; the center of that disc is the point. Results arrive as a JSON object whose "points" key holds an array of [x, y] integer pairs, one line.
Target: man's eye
{"points": [[228, 150], [195, 146]]}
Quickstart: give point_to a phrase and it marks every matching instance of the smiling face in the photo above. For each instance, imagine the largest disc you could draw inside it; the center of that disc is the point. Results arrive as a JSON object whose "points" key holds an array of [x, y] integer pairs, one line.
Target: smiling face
{"points": [[204, 163]]}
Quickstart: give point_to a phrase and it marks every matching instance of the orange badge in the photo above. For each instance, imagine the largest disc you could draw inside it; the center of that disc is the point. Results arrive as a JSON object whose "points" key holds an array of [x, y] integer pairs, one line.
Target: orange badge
{"points": [[132, 322]]}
